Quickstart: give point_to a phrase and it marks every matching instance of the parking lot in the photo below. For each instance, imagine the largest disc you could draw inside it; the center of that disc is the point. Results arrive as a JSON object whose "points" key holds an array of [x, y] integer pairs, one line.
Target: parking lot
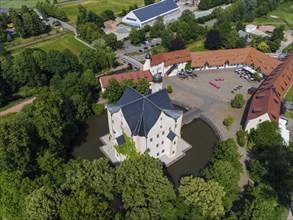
{"points": [[221, 84]]}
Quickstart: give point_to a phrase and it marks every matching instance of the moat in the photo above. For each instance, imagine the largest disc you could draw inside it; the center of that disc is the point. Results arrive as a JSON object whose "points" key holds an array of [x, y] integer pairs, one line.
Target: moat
{"points": [[197, 133]]}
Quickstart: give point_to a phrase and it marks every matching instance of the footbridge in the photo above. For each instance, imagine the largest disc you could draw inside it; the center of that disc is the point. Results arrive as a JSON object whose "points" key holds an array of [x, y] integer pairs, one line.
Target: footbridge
{"points": [[131, 61], [190, 115]]}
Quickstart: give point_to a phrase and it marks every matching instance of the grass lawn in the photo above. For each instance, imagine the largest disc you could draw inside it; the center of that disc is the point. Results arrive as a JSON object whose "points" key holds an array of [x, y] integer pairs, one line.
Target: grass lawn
{"points": [[98, 6], [283, 15], [288, 114], [19, 3], [11, 104], [289, 95], [59, 43], [289, 47], [197, 46]]}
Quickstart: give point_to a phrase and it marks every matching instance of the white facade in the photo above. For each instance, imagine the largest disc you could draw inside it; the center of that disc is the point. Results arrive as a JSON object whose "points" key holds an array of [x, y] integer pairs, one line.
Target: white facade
{"points": [[132, 20], [253, 123], [285, 133], [156, 141]]}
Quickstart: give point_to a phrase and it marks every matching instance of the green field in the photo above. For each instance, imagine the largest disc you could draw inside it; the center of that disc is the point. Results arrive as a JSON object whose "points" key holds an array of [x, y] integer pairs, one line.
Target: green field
{"points": [[19, 3], [98, 6], [59, 43], [289, 95], [283, 15], [196, 46]]}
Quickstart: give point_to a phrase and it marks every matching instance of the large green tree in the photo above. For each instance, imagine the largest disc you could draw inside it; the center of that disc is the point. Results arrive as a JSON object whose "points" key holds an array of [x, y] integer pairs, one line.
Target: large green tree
{"points": [[206, 197], [145, 192]]}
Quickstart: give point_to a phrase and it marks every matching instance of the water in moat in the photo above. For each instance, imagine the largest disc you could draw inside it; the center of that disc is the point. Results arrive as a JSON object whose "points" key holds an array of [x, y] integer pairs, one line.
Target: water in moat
{"points": [[197, 133]]}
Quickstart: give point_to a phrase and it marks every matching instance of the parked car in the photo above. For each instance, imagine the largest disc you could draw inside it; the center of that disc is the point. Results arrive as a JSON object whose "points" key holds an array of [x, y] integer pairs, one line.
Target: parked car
{"points": [[140, 51], [145, 48], [251, 90]]}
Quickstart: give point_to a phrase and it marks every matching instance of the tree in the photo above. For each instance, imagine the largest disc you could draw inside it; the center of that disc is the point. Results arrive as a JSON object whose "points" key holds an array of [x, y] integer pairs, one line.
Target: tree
{"points": [[227, 151], [90, 176], [241, 137], [169, 89], [136, 36], [266, 135], [43, 203], [83, 205], [232, 39], [113, 91], [213, 40], [157, 29], [142, 85], [176, 44], [228, 121], [238, 101], [167, 37], [204, 196], [256, 170], [108, 15], [144, 190], [149, 2], [262, 47], [227, 176], [278, 33]]}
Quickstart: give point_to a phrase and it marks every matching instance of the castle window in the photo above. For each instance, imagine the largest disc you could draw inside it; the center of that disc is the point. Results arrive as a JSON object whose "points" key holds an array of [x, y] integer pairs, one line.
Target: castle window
{"points": [[259, 120], [161, 118], [158, 154], [158, 135], [157, 145], [173, 152], [176, 125], [170, 129], [163, 132], [151, 140], [174, 142], [163, 151], [162, 142], [161, 126]]}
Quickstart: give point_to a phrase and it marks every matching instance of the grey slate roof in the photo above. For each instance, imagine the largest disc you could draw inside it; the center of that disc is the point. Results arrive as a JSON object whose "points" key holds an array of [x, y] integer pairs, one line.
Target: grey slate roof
{"points": [[154, 10], [142, 112], [120, 140], [171, 135]]}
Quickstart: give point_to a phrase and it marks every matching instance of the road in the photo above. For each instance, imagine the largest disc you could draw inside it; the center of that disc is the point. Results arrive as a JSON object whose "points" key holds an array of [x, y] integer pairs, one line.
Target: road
{"points": [[18, 107], [199, 14], [50, 21]]}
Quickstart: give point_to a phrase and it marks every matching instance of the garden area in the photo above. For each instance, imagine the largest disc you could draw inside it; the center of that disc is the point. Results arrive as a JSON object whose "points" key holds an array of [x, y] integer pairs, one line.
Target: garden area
{"points": [[59, 43], [281, 16], [98, 6]]}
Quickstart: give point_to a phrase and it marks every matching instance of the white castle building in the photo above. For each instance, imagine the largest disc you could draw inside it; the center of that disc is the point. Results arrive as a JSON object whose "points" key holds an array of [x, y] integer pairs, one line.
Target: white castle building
{"points": [[151, 121]]}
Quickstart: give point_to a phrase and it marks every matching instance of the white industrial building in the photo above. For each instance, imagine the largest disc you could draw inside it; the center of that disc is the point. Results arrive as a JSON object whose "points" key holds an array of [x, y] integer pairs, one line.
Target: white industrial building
{"points": [[142, 16]]}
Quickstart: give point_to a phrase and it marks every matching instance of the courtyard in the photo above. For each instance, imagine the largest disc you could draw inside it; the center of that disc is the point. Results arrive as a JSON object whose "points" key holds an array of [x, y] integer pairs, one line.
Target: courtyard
{"points": [[215, 103]]}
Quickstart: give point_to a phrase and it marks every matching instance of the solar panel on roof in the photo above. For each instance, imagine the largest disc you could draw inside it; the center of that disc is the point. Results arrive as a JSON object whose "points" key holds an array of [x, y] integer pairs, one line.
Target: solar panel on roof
{"points": [[155, 10]]}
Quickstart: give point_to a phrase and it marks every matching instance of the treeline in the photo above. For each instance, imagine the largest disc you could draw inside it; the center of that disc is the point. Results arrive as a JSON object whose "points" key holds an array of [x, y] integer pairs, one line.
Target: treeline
{"points": [[47, 9], [115, 89], [174, 35], [26, 23], [89, 28], [34, 68]]}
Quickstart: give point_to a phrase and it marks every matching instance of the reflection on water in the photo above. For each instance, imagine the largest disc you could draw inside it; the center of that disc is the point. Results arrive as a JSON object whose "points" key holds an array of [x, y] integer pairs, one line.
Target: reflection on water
{"points": [[198, 134]]}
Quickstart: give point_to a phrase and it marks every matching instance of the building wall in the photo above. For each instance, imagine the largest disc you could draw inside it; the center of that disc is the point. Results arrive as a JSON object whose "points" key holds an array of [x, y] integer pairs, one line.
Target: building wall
{"points": [[159, 68], [134, 20], [253, 123]]}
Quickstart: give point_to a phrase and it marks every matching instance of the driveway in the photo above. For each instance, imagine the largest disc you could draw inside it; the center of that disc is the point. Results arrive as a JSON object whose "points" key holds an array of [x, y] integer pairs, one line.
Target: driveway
{"points": [[199, 14], [284, 44]]}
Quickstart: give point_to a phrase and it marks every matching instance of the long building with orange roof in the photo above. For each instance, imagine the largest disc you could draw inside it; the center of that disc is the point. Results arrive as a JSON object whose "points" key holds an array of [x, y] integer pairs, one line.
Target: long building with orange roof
{"points": [[171, 62], [267, 101]]}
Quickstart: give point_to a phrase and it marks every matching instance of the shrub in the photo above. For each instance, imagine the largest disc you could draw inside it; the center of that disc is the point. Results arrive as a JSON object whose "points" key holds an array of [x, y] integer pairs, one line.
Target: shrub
{"points": [[98, 109], [241, 137], [228, 121], [169, 89], [238, 101]]}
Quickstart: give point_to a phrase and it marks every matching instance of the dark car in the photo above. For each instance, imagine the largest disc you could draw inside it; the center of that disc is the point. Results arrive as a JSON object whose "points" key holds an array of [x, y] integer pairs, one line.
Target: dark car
{"points": [[251, 90], [157, 44], [145, 48], [140, 51], [152, 45]]}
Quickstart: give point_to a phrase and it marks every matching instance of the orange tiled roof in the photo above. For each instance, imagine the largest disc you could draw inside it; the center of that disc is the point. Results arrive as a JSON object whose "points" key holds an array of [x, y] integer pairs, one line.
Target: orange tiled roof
{"points": [[135, 76], [170, 58], [268, 96]]}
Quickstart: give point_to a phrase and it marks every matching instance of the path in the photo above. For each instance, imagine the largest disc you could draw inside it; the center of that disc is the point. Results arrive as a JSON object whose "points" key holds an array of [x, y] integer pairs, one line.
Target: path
{"points": [[199, 14], [18, 107], [131, 61], [35, 41]]}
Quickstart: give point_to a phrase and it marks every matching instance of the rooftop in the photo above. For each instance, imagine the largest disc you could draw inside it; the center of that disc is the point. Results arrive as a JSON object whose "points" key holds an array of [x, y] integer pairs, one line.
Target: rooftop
{"points": [[142, 112], [154, 10]]}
